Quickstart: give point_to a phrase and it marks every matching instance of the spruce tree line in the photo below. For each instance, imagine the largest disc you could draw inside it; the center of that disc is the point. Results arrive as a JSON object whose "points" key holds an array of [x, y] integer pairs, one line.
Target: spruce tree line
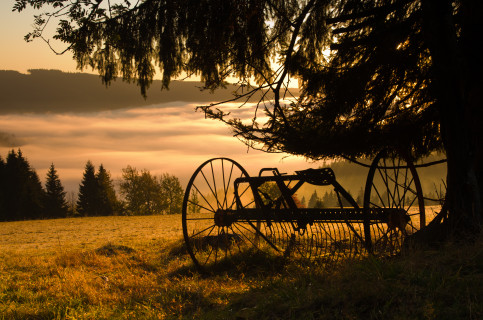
{"points": [[22, 196], [97, 196], [328, 200]]}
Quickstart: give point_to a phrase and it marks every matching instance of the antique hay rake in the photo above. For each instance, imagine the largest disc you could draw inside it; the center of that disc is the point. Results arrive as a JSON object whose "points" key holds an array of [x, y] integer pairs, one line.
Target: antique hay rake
{"points": [[226, 212]]}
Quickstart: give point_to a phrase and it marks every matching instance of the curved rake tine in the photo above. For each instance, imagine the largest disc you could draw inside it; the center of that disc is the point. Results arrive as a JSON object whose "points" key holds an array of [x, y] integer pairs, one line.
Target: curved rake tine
{"points": [[242, 233], [263, 236]]}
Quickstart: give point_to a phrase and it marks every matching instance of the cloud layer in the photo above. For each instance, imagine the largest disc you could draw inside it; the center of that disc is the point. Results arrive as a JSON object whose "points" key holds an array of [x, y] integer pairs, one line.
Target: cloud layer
{"points": [[69, 118], [9, 140], [169, 137]]}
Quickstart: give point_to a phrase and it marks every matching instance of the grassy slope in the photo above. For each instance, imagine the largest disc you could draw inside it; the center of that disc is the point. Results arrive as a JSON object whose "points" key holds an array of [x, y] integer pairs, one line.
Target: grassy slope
{"points": [[129, 272]]}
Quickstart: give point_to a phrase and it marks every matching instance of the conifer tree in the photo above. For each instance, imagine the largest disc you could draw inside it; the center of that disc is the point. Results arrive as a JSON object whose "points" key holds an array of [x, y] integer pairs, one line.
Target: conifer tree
{"points": [[314, 198], [360, 197], [55, 201], [87, 202], [330, 199], [303, 202], [108, 204], [3, 212], [23, 194]]}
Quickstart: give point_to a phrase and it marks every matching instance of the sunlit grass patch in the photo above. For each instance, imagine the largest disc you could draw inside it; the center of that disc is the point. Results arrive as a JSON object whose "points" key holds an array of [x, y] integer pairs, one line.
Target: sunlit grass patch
{"points": [[146, 278]]}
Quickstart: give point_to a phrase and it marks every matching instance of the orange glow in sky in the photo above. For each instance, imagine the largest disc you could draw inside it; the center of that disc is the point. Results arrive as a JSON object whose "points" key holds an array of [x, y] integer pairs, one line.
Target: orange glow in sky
{"points": [[168, 137]]}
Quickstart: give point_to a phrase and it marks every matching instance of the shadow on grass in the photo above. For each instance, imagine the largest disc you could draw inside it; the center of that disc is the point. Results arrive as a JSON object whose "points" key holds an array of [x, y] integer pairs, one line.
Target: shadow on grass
{"points": [[250, 262], [423, 284], [177, 249], [110, 250]]}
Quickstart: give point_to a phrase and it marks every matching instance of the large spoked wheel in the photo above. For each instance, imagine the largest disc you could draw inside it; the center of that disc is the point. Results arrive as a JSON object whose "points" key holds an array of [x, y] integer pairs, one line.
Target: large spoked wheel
{"points": [[392, 182], [209, 215]]}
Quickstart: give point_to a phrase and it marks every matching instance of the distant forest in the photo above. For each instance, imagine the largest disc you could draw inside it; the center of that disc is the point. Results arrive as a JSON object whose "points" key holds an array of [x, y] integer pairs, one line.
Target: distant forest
{"points": [[22, 196], [43, 91]]}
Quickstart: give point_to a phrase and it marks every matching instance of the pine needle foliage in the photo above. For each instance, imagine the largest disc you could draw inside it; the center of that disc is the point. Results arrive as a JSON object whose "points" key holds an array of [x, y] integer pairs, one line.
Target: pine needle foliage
{"points": [[55, 201], [363, 67], [88, 191], [22, 195], [108, 203]]}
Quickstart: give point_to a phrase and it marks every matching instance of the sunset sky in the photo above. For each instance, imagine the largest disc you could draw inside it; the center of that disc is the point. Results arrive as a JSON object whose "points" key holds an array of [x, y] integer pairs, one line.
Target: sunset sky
{"points": [[163, 137]]}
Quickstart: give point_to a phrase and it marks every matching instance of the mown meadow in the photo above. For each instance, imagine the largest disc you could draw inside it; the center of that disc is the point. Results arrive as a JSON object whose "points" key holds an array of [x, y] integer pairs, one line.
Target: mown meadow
{"points": [[138, 268]]}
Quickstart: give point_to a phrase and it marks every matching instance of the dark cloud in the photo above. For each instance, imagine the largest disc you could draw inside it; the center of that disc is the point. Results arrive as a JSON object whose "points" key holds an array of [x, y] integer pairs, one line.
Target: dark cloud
{"points": [[51, 91], [9, 140]]}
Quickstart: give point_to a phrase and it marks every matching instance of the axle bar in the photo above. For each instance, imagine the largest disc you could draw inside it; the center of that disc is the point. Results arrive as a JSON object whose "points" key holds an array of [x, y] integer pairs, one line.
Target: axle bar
{"points": [[309, 215]]}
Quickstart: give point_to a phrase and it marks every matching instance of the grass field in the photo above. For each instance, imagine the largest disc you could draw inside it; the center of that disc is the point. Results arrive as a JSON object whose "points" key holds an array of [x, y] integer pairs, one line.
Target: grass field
{"points": [[41, 236], [137, 268]]}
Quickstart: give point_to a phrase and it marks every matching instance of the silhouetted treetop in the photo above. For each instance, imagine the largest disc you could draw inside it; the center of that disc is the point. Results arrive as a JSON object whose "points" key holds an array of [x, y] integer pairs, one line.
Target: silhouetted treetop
{"points": [[363, 66], [55, 202], [88, 198], [211, 38], [22, 195]]}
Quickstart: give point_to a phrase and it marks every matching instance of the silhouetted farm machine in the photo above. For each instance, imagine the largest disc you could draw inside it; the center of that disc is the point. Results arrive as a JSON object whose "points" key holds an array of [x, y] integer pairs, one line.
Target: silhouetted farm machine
{"points": [[226, 212]]}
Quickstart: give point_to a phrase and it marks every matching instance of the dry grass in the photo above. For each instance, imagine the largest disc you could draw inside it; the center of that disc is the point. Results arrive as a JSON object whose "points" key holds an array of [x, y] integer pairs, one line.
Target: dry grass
{"points": [[85, 233], [137, 268], [103, 268]]}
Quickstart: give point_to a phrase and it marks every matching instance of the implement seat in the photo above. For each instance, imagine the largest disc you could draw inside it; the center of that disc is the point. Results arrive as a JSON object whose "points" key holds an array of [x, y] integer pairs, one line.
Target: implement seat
{"points": [[318, 177]]}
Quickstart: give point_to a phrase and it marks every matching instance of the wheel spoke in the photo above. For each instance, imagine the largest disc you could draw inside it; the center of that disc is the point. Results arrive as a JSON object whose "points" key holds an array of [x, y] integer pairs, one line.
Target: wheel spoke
{"points": [[403, 198], [412, 202], [240, 195], [396, 185], [388, 189], [212, 210], [226, 243], [376, 205], [209, 186], [212, 227], [228, 185], [378, 195], [214, 185], [197, 204], [234, 233], [385, 182], [257, 231], [212, 248], [406, 188], [224, 183]]}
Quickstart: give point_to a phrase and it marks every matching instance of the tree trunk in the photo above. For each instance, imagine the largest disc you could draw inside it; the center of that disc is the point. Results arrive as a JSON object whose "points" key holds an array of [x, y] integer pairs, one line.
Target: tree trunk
{"points": [[458, 99]]}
